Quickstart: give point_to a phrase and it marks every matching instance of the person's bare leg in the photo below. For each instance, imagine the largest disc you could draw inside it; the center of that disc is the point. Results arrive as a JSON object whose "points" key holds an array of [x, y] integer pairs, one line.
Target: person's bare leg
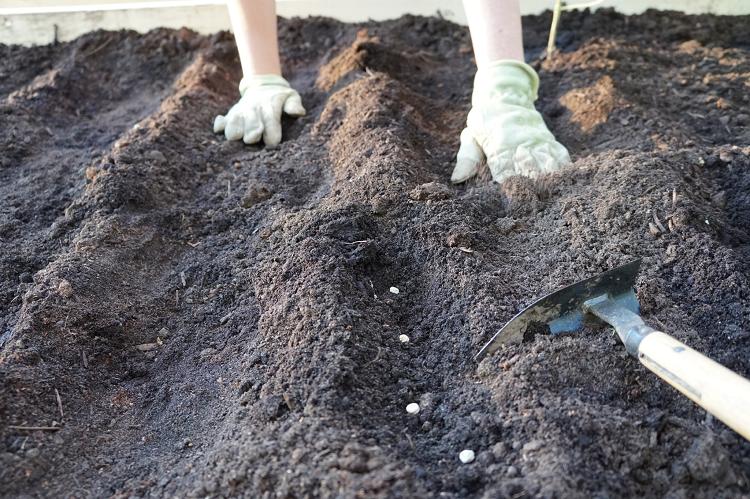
{"points": [[495, 27], [254, 26], [264, 93]]}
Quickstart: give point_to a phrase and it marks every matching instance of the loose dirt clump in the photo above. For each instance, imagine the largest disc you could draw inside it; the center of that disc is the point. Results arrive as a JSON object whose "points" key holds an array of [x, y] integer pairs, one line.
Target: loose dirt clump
{"points": [[188, 317]]}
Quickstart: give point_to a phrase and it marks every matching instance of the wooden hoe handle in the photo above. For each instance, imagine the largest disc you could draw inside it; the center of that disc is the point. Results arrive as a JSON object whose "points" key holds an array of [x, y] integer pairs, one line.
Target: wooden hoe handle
{"points": [[712, 386]]}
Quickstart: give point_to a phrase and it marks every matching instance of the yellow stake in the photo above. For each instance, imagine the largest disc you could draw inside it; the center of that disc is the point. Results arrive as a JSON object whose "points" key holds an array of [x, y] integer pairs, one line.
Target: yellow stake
{"points": [[553, 29]]}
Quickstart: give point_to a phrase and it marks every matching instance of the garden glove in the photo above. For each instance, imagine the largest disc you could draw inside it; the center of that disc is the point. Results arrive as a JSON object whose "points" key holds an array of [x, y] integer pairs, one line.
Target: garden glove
{"points": [[258, 112], [504, 128]]}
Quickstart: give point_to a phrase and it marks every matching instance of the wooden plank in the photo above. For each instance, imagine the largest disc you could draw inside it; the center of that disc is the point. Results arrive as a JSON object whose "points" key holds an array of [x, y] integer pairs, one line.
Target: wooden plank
{"points": [[39, 28], [33, 22], [33, 25]]}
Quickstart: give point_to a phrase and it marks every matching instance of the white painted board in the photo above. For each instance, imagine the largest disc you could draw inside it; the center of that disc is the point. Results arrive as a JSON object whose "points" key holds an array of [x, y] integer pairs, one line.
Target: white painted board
{"points": [[33, 22]]}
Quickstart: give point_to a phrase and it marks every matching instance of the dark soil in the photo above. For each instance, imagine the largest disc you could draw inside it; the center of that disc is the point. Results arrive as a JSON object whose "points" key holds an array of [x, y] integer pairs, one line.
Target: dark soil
{"points": [[216, 318]]}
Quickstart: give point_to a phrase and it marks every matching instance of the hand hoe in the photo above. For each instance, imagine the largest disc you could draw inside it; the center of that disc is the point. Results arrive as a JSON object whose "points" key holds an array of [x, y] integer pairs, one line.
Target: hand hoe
{"points": [[611, 298]]}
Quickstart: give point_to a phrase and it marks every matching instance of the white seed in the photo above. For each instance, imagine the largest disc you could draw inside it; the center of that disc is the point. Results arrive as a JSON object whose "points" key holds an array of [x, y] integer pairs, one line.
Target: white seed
{"points": [[412, 408], [403, 338], [466, 456], [394, 290]]}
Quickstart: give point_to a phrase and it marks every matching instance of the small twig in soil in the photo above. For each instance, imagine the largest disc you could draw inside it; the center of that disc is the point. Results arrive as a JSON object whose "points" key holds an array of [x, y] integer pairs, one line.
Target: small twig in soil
{"points": [[658, 223], [411, 443], [288, 401], [182, 278], [100, 47], [59, 403], [681, 423], [380, 350], [85, 360], [229, 188], [359, 242], [34, 428], [147, 347]]}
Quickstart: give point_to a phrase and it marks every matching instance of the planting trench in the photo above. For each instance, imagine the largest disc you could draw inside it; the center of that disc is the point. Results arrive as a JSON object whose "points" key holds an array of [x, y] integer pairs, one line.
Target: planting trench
{"points": [[185, 316]]}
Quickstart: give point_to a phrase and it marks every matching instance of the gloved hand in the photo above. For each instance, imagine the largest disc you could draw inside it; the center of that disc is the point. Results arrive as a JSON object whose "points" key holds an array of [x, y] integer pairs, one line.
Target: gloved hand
{"points": [[504, 127], [258, 112]]}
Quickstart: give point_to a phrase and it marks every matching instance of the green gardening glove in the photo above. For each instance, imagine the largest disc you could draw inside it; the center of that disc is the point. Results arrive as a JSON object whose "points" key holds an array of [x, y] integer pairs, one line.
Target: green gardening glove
{"points": [[504, 129]]}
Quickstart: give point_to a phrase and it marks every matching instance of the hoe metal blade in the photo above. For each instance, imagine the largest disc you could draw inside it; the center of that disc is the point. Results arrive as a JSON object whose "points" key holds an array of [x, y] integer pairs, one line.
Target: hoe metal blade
{"points": [[563, 310]]}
